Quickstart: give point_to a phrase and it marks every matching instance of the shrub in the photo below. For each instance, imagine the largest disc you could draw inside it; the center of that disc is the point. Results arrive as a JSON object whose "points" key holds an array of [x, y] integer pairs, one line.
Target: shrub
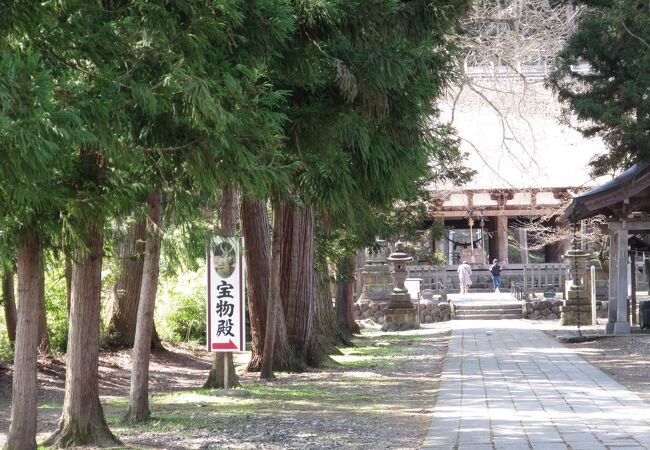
{"points": [[6, 351], [180, 315], [56, 307]]}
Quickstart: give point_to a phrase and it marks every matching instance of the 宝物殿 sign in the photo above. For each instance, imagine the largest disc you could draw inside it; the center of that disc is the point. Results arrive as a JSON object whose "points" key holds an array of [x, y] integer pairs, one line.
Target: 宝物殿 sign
{"points": [[225, 273]]}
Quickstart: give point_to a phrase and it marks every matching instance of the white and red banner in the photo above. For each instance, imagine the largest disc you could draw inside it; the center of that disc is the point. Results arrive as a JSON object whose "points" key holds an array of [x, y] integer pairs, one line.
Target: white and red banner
{"points": [[226, 323]]}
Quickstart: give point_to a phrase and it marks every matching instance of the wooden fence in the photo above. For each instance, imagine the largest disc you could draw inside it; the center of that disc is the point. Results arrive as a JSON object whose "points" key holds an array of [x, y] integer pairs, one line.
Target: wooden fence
{"points": [[532, 277]]}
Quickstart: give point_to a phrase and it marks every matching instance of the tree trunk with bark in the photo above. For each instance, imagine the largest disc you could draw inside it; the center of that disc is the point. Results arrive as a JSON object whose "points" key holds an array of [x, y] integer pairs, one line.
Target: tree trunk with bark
{"points": [[345, 295], [22, 431], [255, 230], [277, 354], [126, 291], [326, 334], [82, 421], [326, 322], [228, 228], [9, 301], [43, 336], [138, 410], [68, 281], [297, 278]]}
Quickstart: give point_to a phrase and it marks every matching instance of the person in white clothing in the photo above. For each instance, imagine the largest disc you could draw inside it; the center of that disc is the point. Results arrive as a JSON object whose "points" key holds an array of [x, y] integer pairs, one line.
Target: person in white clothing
{"points": [[464, 275]]}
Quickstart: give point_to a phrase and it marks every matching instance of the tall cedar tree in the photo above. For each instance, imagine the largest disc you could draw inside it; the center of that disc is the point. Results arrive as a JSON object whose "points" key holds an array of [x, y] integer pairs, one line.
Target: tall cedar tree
{"points": [[255, 230], [364, 77], [112, 40], [187, 114], [203, 117], [610, 99], [138, 408], [35, 130], [82, 421]]}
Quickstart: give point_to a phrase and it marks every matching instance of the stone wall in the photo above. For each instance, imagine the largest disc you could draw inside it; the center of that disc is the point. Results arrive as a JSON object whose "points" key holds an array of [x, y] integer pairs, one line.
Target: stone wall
{"points": [[430, 311], [433, 311], [543, 309], [550, 310]]}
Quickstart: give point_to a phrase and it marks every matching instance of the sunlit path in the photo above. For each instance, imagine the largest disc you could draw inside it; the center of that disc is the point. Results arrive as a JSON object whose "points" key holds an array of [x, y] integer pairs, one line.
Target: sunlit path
{"points": [[506, 385]]}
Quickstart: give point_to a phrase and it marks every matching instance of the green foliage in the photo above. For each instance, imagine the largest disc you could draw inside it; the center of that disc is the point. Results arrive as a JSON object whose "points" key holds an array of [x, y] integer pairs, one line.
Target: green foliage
{"points": [[56, 305], [181, 314], [365, 76], [6, 350], [612, 99]]}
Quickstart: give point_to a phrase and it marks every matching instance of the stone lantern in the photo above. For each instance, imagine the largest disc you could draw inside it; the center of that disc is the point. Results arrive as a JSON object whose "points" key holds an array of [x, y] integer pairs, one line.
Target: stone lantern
{"points": [[577, 307], [401, 313]]}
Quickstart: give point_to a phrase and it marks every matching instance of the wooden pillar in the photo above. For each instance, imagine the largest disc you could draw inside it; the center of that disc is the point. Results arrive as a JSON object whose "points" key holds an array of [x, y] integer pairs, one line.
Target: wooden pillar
{"points": [[493, 251], [522, 240], [613, 283], [622, 325], [502, 239], [646, 269], [633, 282]]}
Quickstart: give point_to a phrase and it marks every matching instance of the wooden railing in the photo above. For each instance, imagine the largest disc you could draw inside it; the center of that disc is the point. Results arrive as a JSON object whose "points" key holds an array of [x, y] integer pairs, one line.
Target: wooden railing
{"points": [[531, 277]]}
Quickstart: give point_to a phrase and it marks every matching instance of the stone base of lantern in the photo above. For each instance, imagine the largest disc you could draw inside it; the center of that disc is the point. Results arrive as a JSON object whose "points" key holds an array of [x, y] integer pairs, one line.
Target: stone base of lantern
{"points": [[577, 308], [401, 314]]}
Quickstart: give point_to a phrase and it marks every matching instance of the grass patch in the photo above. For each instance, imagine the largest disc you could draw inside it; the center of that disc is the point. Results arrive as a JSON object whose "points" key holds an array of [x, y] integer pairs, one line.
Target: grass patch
{"points": [[181, 420], [50, 405], [371, 351], [367, 363], [376, 351]]}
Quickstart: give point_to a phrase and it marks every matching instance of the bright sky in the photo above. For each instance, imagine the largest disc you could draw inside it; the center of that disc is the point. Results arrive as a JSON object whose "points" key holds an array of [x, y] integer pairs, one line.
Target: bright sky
{"points": [[530, 148]]}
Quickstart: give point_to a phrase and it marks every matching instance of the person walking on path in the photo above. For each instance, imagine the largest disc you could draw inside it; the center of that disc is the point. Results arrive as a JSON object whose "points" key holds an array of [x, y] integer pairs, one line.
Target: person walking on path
{"points": [[495, 270], [464, 275]]}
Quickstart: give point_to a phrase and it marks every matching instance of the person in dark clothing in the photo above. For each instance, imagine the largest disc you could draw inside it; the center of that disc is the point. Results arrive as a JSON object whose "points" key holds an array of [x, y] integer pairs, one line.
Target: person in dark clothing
{"points": [[495, 270]]}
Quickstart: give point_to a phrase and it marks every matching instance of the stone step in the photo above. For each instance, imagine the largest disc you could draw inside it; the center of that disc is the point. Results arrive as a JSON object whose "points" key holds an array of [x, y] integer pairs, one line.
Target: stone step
{"points": [[513, 307], [479, 312], [488, 311], [488, 316]]}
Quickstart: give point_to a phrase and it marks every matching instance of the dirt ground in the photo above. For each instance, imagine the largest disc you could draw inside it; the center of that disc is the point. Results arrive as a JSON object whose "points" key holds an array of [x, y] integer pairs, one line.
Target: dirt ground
{"points": [[381, 397]]}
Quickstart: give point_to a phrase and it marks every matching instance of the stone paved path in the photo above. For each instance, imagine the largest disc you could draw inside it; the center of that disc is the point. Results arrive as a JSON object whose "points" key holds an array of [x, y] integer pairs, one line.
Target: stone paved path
{"points": [[506, 385]]}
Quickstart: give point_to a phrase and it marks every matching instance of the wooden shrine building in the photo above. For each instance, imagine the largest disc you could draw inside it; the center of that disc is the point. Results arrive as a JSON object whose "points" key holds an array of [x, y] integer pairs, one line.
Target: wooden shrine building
{"points": [[625, 202], [488, 215]]}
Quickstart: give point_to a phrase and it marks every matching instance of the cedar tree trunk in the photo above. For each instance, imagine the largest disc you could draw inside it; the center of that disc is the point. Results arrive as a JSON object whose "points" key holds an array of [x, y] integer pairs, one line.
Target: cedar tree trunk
{"points": [[138, 410], [68, 281], [228, 228], [255, 230], [22, 431], [43, 336], [82, 421], [126, 292], [9, 303], [325, 321], [277, 353], [326, 327], [297, 277]]}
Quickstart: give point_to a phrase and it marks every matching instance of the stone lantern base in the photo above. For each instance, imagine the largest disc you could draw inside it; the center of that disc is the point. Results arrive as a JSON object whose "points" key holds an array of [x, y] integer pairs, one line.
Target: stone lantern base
{"points": [[401, 314], [577, 306]]}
